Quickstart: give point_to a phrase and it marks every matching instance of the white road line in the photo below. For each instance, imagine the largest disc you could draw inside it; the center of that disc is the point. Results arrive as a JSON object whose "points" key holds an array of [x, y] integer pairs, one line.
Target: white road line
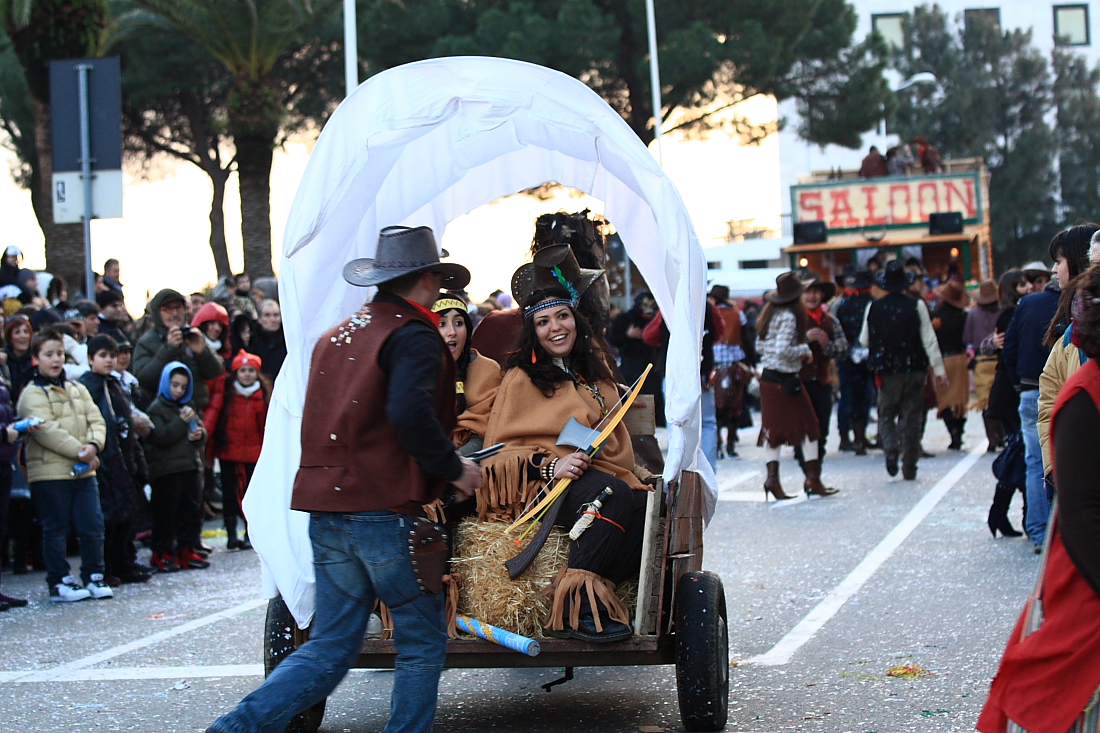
{"points": [[144, 673], [62, 672], [782, 652]]}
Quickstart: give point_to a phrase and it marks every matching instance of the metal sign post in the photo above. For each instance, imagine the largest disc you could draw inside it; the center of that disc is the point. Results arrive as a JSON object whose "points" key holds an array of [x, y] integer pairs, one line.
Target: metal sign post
{"points": [[86, 175], [86, 120]]}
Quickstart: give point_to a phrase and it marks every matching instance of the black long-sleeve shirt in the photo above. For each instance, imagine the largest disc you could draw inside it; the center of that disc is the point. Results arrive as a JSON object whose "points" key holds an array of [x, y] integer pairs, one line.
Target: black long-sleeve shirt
{"points": [[1078, 484], [411, 359]]}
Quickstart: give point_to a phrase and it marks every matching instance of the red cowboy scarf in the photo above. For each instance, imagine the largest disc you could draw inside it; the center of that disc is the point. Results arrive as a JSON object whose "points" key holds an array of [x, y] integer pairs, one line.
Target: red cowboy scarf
{"points": [[817, 313]]}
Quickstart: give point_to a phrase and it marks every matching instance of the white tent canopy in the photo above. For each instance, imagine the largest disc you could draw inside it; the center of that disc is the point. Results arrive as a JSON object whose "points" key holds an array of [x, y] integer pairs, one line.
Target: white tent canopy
{"points": [[425, 143]]}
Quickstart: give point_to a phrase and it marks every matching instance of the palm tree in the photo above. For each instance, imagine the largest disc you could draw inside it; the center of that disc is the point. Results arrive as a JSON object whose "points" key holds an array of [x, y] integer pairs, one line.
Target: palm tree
{"points": [[249, 37], [41, 31]]}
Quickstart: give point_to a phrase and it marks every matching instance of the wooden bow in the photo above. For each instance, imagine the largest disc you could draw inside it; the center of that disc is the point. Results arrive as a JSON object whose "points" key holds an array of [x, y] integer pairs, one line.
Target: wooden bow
{"points": [[597, 444]]}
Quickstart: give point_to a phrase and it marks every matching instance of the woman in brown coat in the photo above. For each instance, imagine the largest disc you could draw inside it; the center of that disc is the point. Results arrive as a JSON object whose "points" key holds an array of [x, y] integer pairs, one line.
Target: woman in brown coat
{"points": [[477, 377], [558, 374]]}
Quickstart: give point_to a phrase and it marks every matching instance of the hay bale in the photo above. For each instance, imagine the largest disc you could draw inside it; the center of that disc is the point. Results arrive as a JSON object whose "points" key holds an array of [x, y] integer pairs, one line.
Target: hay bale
{"points": [[489, 595]]}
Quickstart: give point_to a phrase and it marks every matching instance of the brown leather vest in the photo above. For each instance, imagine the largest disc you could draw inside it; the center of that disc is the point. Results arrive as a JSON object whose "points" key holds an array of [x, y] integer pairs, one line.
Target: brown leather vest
{"points": [[352, 460], [731, 318], [819, 368]]}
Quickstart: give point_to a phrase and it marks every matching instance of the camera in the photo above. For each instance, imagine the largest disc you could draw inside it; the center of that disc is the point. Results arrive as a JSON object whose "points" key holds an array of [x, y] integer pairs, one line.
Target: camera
{"points": [[188, 331]]}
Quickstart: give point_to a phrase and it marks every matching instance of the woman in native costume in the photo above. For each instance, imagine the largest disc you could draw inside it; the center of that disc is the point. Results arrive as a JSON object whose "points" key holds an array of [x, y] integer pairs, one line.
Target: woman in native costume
{"points": [[1049, 678], [787, 415], [558, 374], [477, 377]]}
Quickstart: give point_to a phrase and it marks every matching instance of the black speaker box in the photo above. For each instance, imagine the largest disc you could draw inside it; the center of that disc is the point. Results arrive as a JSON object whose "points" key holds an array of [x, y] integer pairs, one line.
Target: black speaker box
{"points": [[948, 222], [810, 232]]}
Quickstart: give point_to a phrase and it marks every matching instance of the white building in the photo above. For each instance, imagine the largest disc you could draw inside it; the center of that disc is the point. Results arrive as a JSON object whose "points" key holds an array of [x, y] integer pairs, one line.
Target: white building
{"points": [[1072, 21], [751, 258]]}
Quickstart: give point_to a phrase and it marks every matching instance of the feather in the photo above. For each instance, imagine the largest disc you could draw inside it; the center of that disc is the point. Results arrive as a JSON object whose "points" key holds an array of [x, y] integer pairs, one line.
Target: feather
{"points": [[565, 283]]}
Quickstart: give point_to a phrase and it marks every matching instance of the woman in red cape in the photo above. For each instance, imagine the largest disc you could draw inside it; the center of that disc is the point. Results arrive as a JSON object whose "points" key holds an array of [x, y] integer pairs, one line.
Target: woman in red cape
{"points": [[1047, 679]]}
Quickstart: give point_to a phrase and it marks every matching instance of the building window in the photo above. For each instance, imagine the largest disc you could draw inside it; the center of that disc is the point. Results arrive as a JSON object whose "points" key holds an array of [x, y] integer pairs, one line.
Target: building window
{"points": [[989, 16], [753, 264], [714, 265], [1071, 25], [889, 26]]}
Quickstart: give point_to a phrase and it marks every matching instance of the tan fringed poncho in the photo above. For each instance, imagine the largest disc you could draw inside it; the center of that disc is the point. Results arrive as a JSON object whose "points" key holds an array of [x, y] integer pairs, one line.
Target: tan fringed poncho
{"points": [[529, 423], [482, 382]]}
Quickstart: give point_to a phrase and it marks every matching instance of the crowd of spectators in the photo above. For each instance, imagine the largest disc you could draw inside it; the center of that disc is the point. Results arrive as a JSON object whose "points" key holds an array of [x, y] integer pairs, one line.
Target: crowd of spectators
{"points": [[999, 349], [117, 432]]}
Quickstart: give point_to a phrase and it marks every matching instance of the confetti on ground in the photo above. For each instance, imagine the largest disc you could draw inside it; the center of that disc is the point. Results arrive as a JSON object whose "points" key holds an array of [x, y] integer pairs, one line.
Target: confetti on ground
{"points": [[931, 713], [651, 729], [909, 672]]}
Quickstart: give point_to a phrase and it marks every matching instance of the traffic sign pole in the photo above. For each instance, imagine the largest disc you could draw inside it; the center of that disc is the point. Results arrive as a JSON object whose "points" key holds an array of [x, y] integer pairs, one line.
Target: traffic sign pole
{"points": [[86, 176]]}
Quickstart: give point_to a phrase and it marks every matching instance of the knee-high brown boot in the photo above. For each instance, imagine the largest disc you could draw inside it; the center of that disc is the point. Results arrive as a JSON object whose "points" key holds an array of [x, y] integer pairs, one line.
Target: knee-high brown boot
{"points": [[813, 483], [771, 484]]}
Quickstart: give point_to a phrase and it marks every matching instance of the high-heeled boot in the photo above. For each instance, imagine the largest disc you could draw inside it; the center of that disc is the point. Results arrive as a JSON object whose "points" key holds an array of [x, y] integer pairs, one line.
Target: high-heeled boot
{"points": [[813, 483], [859, 437], [995, 433], [998, 512], [771, 484]]}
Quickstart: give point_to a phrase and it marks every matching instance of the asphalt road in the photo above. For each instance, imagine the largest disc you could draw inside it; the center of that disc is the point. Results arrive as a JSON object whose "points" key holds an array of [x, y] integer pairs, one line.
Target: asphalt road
{"points": [[823, 596]]}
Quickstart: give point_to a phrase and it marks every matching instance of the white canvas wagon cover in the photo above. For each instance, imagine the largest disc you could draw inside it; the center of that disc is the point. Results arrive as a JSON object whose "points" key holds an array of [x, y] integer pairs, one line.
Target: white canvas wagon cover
{"points": [[422, 144]]}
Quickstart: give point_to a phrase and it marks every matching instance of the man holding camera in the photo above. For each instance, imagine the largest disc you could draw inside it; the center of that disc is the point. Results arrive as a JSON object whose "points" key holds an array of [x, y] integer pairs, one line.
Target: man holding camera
{"points": [[171, 339]]}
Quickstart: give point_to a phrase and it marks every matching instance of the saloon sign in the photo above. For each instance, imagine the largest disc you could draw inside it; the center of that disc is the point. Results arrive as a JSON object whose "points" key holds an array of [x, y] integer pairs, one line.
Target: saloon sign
{"points": [[855, 205]]}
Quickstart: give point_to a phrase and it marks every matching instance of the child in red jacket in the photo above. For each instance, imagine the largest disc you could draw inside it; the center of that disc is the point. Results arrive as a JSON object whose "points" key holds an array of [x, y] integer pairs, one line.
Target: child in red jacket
{"points": [[238, 437]]}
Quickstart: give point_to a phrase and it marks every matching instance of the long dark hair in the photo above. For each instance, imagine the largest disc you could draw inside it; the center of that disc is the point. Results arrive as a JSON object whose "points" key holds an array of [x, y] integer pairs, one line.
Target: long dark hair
{"points": [[802, 321], [1088, 327], [586, 359], [1064, 314], [1073, 245], [1009, 296], [462, 364]]}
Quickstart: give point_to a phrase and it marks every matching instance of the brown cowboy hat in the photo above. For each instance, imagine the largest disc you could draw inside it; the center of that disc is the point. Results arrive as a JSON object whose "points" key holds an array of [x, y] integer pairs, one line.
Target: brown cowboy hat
{"points": [[788, 287], [953, 293], [540, 274], [402, 250], [828, 289], [988, 293]]}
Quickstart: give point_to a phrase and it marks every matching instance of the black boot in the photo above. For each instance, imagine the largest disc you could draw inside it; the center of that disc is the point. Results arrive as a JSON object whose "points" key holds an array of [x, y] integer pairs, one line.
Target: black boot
{"points": [[846, 444], [998, 512], [995, 433], [859, 434]]}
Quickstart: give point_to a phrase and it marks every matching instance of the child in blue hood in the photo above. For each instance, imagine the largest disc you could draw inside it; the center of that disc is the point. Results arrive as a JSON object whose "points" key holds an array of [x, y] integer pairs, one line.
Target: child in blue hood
{"points": [[175, 472]]}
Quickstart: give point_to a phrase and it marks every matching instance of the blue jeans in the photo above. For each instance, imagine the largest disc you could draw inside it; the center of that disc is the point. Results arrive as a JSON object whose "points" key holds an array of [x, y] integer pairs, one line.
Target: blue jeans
{"points": [[356, 559], [709, 435], [70, 502], [857, 394], [1038, 505]]}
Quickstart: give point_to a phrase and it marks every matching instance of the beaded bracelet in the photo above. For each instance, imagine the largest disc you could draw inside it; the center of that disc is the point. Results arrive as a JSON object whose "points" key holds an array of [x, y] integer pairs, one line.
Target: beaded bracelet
{"points": [[547, 470]]}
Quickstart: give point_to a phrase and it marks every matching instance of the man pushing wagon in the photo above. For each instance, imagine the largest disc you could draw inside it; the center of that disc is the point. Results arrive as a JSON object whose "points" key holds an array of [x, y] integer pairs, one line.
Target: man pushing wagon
{"points": [[377, 420]]}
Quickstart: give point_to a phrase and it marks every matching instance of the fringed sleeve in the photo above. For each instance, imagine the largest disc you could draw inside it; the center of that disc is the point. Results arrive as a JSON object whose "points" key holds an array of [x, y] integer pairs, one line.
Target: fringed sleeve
{"points": [[509, 484], [483, 378]]}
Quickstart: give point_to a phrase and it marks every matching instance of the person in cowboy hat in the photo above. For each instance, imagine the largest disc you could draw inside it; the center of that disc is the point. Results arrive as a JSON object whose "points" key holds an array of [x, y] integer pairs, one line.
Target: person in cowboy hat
{"points": [[827, 342], [857, 388], [897, 331], [787, 414], [949, 320], [981, 322], [376, 446]]}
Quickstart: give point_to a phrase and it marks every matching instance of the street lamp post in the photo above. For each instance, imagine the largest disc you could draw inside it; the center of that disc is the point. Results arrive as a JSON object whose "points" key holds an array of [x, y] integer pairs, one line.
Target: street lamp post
{"points": [[351, 48]]}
